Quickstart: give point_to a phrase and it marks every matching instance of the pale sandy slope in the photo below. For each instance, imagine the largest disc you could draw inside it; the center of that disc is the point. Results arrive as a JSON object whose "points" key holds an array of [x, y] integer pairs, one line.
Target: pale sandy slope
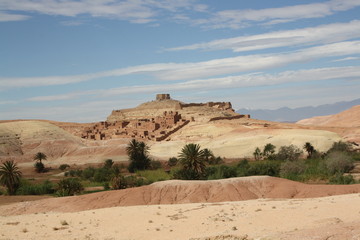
{"points": [[346, 124], [347, 118], [21, 140], [239, 138], [332, 217]]}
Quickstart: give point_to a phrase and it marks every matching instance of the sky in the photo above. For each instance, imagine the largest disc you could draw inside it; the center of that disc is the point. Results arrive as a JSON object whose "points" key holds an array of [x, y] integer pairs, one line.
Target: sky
{"points": [[77, 60]]}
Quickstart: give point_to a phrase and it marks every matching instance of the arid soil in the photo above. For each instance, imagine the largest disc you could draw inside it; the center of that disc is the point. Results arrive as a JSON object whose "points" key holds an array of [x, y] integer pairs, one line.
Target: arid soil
{"points": [[346, 123], [20, 140], [241, 208], [180, 192]]}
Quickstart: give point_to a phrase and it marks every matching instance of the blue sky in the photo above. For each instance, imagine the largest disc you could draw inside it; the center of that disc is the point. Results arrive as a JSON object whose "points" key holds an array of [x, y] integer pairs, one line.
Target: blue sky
{"points": [[77, 60]]}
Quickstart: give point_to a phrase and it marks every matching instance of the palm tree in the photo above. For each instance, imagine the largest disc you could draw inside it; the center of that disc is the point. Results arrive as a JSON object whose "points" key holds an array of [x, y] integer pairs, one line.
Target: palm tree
{"points": [[10, 176], [208, 155], [138, 155], [192, 159], [40, 156], [39, 166], [309, 149]]}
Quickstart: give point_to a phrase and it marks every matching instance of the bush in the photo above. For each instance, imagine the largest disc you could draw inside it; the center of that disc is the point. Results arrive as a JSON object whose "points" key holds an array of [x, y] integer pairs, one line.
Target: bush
{"points": [[186, 174], [338, 162], [269, 152], [102, 175], [27, 188], [220, 172], [242, 168], [270, 168], [340, 147], [172, 161], [62, 167], [154, 164], [39, 167], [69, 187], [290, 153], [88, 173], [153, 175], [74, 173], [292, 169], [108, 163], [118, 182], [340, 179], [216, 161]]}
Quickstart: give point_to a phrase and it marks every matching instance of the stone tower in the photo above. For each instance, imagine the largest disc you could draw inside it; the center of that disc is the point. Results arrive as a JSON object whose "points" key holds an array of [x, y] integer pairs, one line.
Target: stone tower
{"points": [[160, 97]]}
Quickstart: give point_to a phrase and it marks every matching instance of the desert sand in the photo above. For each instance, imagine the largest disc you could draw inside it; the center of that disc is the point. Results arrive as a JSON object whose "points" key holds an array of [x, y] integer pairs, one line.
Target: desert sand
{"points": [[279, 209]]}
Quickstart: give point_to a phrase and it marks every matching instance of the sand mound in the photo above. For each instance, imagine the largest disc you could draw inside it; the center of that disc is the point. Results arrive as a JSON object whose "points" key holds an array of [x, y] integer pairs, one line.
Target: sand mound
{"points": [[177, 192], [347, 118], [21, 140]]}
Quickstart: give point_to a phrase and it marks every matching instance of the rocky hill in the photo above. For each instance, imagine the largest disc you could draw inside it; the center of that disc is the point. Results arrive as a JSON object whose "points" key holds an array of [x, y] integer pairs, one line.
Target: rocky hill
{"points": [[347, 118], [346, 123]]}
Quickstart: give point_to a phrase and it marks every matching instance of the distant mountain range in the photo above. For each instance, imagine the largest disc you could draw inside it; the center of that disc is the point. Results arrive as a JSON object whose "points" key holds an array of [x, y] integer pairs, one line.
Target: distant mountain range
{"points": [[286, 114]]}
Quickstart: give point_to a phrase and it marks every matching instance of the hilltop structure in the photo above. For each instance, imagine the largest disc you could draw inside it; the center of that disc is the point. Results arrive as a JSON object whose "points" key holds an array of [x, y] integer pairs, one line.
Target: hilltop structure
{"points": [[157, 120]]}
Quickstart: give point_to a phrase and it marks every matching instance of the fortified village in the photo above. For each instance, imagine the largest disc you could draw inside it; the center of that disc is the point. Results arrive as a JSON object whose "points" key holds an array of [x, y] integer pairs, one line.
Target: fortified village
{"points": [[157, 120]]}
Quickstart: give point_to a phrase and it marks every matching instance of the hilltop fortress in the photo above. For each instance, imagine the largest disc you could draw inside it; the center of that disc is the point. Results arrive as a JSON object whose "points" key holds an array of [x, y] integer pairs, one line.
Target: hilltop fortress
{"points": [[157, 120]]}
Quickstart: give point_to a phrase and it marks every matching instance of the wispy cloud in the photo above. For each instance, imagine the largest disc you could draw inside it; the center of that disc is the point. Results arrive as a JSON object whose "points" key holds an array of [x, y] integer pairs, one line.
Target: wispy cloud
{"points": [[139, 11], [239, 18], [193, 70], [7, 17], [347, 59], [230, 82], [323, 34]]}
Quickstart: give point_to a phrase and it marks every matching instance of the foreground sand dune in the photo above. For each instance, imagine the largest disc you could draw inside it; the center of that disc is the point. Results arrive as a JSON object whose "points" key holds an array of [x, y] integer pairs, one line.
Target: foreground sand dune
{"points": [[179, 192], [331, 217]]}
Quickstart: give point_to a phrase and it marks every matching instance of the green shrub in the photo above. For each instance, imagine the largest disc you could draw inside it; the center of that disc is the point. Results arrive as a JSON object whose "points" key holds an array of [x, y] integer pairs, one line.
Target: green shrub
{"points": [[133, 181], [269, 152], [315, 169], [74, 173], [102, 175], [242, 168], [154, 175], [172, 161], [154, 164], [340, 179], [290, 153], [62, 167], [340, 147], [338, 162], [39, 167], [186, 174], [27, 188], [292, 169], [88, 173], [108, 163], [270, 168], [69, 187], [221, 172], [215, 161]]}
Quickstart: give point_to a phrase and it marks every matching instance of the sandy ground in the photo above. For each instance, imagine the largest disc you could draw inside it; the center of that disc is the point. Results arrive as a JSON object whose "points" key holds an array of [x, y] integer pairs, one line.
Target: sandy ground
{"points": [[241, 141], [336, 217], [277, 209]]}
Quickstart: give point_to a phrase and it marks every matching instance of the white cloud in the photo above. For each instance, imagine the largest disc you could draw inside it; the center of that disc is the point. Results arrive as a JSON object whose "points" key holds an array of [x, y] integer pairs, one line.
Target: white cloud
{"points": [[237, 18], [8, 17], [346, 59], [182, 71], [230, 82], [329, 33], [139, 11]]}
